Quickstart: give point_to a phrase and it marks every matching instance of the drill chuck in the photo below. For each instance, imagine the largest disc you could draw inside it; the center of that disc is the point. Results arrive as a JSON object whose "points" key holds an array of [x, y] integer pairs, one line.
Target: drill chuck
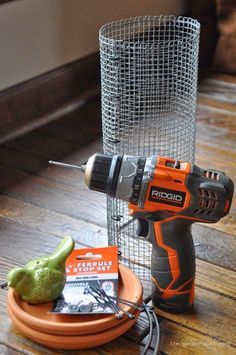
{"points": [[117, 176], [102, 172]]}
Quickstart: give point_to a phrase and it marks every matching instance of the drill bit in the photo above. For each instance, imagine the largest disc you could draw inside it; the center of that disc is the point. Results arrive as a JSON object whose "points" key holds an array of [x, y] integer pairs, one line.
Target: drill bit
{"points": [[68, 166]]}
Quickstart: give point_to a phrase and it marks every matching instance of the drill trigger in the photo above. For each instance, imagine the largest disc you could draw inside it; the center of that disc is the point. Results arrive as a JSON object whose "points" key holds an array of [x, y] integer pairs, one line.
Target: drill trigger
{"points": [[143, 227]]}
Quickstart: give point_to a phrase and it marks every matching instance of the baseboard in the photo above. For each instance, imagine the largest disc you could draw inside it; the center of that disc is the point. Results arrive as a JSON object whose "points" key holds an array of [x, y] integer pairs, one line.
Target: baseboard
{"points": [[48, 96]]}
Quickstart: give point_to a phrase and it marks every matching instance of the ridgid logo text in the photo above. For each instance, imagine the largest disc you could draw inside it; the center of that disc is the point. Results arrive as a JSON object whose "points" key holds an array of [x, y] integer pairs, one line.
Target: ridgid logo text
{"points": [[170, 197]]}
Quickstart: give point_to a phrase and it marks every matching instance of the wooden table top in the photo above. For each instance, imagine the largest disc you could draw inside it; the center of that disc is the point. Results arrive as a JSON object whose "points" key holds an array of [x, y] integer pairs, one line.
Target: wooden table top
{"points": [[40, 204]]}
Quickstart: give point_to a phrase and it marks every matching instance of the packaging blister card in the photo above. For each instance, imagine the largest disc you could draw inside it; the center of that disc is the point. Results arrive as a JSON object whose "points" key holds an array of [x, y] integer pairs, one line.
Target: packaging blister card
{"points": [[88, 270]]}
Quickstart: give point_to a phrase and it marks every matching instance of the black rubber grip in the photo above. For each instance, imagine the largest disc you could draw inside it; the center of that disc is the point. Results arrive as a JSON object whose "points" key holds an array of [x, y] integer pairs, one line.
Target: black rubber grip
{"points": [[172, 264]]}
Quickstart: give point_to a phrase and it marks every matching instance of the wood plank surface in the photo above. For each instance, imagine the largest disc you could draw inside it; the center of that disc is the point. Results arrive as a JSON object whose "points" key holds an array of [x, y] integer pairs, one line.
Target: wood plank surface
{"points": [[50, 222], [179, 340], [213, 298], [39, 204], [216, 133]]}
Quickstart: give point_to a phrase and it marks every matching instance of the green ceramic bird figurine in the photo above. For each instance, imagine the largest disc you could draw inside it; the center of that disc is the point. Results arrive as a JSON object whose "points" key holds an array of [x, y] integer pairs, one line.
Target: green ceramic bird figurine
{"points": [[43, 279]]}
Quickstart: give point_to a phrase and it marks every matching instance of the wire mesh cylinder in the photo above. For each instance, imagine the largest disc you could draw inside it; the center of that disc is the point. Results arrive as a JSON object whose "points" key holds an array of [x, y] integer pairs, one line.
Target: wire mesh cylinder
{"points": [[149, 86]]}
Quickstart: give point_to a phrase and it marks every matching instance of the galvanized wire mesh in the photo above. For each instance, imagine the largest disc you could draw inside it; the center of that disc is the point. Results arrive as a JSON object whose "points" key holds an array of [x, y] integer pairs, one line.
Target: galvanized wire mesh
{"points": [[149, 82]]}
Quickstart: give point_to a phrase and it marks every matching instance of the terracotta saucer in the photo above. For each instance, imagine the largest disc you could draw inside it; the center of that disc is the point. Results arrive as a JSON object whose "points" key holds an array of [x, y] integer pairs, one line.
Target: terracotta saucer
{"points": [[74, 341], [37, 317]]}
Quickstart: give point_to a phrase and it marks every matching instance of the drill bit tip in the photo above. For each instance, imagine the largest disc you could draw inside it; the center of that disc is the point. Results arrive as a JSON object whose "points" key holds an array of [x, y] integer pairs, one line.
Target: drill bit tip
{"points": [[65, 165]]}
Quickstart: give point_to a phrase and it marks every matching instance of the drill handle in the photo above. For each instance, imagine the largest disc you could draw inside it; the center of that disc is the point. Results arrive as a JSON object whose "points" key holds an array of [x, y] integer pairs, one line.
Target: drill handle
{"points": [[172, 264]]}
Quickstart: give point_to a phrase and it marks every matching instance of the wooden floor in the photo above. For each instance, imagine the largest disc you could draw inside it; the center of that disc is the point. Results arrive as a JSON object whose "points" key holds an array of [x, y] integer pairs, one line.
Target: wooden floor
{"points": [[39, 204]]}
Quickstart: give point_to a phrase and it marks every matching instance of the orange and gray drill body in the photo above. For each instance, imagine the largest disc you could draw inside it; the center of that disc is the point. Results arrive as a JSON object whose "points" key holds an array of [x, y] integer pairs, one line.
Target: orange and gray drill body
{"points": [[166, 196]]}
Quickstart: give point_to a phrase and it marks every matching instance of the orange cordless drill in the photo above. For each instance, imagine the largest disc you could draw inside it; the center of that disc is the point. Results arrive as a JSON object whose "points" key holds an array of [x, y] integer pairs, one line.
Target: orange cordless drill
{"points": [[166, 196]]}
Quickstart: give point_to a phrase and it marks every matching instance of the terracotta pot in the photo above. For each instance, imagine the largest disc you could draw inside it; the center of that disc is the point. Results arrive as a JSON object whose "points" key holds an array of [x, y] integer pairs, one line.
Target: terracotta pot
{"points": [[73, 341]]}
